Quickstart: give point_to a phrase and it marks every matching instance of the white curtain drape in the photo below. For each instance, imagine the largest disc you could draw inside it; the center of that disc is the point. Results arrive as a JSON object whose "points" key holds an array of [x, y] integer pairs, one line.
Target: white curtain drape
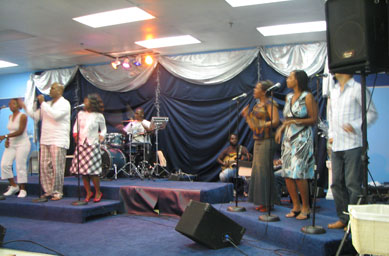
{"points": [[117, 80], [208, 68], [284, 59], [44, 81]]}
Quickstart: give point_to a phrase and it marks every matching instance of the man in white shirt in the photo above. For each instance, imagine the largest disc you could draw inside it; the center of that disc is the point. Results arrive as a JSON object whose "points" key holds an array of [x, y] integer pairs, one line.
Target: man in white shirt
{"points": [[345, 135], [54, 141]]}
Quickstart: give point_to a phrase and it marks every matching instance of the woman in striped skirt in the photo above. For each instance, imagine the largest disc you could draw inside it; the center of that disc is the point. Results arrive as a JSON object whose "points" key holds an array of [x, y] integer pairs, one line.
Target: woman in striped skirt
{"points": [[92, 130]]}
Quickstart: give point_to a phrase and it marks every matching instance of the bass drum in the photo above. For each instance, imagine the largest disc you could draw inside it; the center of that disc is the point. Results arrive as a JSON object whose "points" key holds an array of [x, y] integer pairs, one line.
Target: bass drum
{"points": [[111, 158]]}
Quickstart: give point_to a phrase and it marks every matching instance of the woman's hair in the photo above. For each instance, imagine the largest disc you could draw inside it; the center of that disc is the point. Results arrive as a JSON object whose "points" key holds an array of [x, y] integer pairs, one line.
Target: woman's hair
{"points": [[266, 84], [96, 103], [17, 102], [302, 80]]}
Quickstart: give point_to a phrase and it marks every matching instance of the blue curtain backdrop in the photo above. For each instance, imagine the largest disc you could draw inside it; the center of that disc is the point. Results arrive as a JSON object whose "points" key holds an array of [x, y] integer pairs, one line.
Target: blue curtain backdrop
{"points": [[201, 117]]}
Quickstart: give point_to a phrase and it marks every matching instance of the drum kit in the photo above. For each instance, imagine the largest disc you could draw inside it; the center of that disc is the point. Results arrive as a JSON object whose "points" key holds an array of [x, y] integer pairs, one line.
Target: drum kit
{"points": [[128, 155]]}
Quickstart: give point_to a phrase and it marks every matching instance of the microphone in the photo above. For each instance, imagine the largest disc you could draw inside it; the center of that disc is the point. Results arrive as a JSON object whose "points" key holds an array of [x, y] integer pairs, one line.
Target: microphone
{"points": [[243, 95], [321, 75], [79, 106], [277, 85]]}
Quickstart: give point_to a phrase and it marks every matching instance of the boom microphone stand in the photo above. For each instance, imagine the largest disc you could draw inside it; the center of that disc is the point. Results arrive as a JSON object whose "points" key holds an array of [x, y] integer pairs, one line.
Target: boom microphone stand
{"points": [[270, 217], [79, 202], [237, 208]]}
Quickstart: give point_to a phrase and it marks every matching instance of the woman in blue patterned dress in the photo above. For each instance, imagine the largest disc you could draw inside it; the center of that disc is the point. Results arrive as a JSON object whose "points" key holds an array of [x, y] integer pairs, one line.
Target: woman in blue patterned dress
{"points": [[92, 131], [300, 113]]}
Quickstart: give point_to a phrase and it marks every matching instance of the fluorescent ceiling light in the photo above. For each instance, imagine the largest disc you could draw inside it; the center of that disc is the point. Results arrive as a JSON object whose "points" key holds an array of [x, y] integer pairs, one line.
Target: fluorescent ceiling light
{"points": [[168, 41], [238, 3], [114, 17], [295, 28], [6, 64]]}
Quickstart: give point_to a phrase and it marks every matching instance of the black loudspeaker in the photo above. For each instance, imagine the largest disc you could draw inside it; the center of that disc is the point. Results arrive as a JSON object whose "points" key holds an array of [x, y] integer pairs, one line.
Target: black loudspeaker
{"points": [[205, 225], [2, 235], [357, 36]]}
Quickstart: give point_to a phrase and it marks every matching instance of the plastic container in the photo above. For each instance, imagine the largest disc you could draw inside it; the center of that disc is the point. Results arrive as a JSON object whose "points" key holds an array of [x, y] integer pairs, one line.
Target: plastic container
{"points": [[369, 228]]}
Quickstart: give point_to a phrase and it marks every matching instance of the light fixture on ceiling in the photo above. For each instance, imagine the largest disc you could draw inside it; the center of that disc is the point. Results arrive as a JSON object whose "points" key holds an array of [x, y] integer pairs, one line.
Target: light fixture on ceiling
{"points": [[126, 63], [295, 28], [149, 60], [138, 60], [6, 64], [239, 3], [168, 41], [115, 17], [116, 63]]}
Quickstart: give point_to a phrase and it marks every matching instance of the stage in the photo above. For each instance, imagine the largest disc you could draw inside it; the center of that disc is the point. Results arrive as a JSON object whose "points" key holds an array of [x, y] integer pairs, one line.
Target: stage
{"points": [[154, 203]]}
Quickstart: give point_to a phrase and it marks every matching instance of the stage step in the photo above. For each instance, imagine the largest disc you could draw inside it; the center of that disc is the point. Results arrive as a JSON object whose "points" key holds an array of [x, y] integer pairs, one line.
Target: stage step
{"points": [[286, 233], [61, 210]]}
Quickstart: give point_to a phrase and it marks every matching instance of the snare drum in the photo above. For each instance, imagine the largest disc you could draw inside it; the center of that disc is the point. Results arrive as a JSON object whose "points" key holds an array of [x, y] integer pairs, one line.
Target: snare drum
{"points": [[111, 157], [115, 140]]}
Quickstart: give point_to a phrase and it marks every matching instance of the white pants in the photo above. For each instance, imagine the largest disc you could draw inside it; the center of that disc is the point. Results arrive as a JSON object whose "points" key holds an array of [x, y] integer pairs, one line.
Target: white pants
{"points": [[20, 153]]}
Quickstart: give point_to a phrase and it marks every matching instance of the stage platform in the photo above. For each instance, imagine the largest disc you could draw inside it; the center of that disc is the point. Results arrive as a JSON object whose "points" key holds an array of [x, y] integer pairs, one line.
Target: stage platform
{"points": [[135, 196], [162, 197]]}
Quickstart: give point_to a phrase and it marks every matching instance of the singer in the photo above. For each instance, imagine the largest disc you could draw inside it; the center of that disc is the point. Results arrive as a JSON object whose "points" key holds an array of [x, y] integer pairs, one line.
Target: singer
{"points": [[90, 121], [54, 140], [17, 146], [298, 161], [261, 120]]}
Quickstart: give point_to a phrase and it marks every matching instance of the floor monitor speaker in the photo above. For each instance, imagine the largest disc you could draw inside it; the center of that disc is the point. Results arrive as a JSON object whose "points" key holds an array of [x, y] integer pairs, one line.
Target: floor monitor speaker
{"points": [[205, 225]]}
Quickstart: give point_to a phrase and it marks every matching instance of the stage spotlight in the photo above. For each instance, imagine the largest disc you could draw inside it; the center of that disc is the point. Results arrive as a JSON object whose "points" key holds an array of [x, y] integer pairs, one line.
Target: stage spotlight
{"points": [[138, 61], [149, 60], [115, 64], [126, 63]]}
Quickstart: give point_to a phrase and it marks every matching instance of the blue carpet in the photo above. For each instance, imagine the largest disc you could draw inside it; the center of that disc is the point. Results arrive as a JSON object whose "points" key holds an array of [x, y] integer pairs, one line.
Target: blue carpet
{"points": [[119, 235]]}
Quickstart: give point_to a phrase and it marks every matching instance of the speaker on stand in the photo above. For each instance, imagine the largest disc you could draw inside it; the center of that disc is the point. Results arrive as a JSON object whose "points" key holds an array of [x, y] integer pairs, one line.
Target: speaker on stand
{"points": [[357, 36], [357, 43]]}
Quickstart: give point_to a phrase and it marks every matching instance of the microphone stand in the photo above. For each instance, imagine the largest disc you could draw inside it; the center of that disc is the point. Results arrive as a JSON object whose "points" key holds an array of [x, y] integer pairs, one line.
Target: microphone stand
{"points": [[79, 202], [237, 208], [270, 217], [314, 229], [41, 198]]}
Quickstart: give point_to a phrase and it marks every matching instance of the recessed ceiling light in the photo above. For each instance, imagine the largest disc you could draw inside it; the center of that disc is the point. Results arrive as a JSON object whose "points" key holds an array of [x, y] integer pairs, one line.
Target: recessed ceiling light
{"points": [[6, 64], [109, 18], [295, 28], [168, 41], [238, 3]]}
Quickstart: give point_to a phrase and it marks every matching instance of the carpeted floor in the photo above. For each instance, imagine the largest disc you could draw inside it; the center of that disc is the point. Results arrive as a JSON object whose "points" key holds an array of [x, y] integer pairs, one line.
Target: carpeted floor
{"points": [[119, 235]]}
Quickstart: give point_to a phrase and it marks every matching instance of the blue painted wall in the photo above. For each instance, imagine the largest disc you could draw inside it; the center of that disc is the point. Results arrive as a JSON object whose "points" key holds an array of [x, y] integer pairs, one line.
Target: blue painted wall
{"points": [[12, 86]]}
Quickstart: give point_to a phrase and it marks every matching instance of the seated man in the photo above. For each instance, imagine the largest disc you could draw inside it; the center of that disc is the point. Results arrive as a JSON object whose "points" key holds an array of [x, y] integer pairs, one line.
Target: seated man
{"points": [[227, 159]]}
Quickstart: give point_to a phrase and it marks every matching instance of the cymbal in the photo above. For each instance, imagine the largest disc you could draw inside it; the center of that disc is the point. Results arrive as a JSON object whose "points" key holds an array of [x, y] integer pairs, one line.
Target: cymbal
{"points": [[128, 121]]}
